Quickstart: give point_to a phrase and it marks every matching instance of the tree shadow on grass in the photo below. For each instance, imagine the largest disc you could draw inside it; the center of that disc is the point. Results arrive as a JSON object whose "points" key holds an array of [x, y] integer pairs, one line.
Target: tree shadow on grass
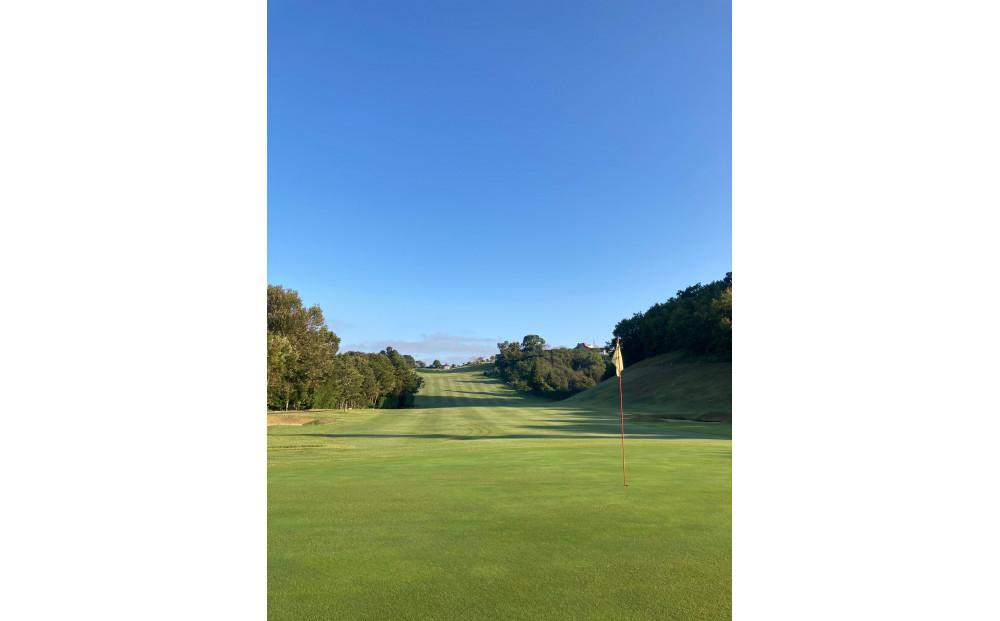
{"points": [[612, 428], [501, 436], [492, 400], [638, 424], [569, 427]]}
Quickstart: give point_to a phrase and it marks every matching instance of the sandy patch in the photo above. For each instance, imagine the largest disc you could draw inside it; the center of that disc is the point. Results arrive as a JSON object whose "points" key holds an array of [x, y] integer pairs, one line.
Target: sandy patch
{"points": [[290, 419]]}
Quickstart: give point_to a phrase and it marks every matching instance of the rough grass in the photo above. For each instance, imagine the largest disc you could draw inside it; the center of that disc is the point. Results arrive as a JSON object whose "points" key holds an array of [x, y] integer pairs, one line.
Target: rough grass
{"points": [[487, 504], [667, 387]]}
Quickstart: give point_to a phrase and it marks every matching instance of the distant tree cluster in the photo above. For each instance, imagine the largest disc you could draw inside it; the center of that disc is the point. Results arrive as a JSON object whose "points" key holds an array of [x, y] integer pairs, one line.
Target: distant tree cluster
{"points": [[305, 371], [555, 373], [698, 320], [478, 360]]}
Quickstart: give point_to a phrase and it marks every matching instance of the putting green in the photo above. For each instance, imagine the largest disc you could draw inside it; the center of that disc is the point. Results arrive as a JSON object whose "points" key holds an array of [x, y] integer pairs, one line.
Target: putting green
{"points": [[482, 503]]}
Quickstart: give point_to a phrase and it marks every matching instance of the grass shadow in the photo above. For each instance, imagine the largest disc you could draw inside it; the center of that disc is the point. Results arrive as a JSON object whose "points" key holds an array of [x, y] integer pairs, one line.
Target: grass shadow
{"points": [[559, 434]]}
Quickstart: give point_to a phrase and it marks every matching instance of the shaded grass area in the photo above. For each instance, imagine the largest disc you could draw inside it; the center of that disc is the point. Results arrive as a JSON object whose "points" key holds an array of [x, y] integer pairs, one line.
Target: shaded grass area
{"points": [[670, 386], [483, 503]]}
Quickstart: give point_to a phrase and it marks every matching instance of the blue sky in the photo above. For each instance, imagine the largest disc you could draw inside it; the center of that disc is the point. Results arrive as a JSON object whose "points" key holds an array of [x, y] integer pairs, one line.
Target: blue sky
{"points": [[444, 175]]}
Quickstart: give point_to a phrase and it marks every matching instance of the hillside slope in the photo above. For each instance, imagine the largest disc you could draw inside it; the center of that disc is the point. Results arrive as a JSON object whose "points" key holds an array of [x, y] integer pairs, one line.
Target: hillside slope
{"points": [[666, 387]]}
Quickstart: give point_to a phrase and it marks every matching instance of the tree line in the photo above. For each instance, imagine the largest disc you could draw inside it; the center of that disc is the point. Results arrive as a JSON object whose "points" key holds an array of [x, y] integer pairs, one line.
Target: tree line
{"points": [[555, 373], [305, 370], [697, 321]]}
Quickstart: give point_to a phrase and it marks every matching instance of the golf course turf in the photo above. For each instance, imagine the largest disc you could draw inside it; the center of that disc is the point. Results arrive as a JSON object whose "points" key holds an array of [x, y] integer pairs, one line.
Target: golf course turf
{"points": [[484, 503]]}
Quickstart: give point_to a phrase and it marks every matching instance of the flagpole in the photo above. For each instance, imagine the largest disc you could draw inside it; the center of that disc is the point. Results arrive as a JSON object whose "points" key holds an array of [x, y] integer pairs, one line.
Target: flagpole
{"points": [[621, 412]]}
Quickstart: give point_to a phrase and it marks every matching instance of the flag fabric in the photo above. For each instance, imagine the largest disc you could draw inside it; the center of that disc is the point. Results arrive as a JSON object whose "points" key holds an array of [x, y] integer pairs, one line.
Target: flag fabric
{"points": [[617, 358]]}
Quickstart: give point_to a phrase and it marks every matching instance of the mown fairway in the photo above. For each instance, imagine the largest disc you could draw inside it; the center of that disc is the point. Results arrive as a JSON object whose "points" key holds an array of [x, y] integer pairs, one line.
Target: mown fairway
{"points": [[485, 504]]}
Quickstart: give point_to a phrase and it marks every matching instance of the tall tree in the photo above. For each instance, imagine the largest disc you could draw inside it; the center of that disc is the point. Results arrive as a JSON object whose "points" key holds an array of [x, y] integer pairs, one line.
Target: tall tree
{"points": [[532, 344]]}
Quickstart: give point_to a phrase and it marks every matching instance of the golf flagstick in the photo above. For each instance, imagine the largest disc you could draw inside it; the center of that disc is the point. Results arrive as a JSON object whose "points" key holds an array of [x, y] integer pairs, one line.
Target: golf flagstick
{"points": [[619, 366], [621, 411]]}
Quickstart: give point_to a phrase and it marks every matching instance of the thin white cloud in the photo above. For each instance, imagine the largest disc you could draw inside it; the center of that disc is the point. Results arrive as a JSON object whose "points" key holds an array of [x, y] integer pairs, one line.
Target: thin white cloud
{"points": [[445, 347]]}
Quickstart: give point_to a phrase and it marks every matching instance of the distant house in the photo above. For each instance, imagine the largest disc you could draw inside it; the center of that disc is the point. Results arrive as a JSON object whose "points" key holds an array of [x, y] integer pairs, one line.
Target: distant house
{"points": [[589, 346]]}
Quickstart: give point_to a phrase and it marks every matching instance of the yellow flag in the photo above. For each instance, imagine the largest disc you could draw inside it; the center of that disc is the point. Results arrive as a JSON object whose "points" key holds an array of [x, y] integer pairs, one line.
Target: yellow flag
{"points": [[617, 358]]}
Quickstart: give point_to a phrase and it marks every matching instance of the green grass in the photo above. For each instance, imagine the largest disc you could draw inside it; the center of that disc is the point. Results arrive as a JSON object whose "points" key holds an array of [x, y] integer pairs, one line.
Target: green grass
{"points": [[487, 504], [667, 387]]}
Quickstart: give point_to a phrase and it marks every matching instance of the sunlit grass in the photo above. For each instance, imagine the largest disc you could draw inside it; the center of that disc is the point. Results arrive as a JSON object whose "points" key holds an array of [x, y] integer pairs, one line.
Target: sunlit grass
{"points": [[486, 504]]}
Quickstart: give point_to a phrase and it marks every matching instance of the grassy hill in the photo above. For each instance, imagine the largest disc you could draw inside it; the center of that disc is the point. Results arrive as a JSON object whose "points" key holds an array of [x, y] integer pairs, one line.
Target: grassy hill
{"points": [[665, 387]]}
